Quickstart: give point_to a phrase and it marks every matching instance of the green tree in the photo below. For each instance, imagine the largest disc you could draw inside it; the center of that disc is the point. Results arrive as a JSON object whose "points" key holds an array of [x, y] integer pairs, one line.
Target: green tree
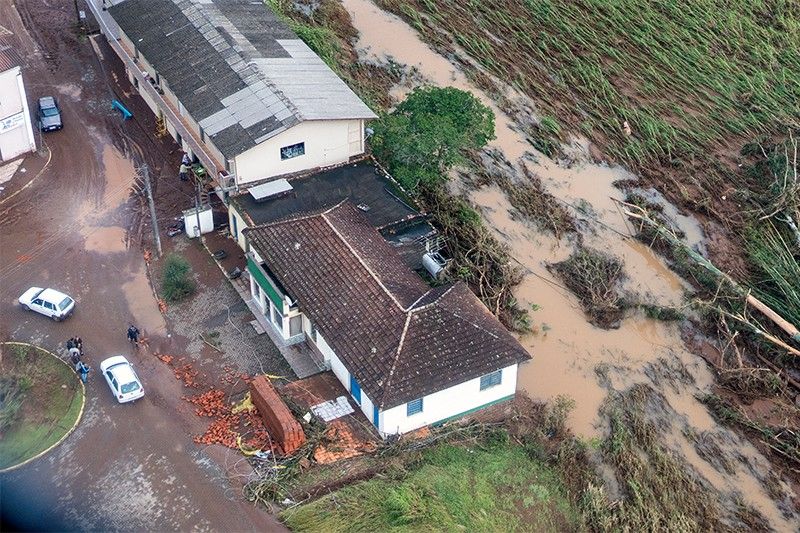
{"points": [[427, 133]]}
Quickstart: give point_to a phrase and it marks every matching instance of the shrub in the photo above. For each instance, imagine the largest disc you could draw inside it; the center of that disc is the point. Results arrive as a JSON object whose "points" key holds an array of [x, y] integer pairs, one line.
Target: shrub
{"points": [[177, 282]]}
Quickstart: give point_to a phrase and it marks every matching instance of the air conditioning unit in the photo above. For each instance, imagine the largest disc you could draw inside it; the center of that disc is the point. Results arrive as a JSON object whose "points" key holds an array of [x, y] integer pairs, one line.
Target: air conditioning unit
{"points": [[434, 263]]}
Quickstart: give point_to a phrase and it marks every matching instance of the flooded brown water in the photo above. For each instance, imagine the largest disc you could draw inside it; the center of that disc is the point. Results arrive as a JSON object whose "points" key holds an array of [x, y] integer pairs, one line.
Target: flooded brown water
{"points": [[571, 356]]}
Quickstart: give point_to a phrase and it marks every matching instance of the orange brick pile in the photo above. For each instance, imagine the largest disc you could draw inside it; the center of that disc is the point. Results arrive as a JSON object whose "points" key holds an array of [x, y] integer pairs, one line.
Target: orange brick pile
{"points": [[227, 426], [280, 422], [187, 374]]}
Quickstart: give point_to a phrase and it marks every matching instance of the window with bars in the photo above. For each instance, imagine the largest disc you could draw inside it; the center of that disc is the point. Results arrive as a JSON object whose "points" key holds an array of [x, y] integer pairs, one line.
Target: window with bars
{"points": [[414, 407], [294, 150], [491, 380]]}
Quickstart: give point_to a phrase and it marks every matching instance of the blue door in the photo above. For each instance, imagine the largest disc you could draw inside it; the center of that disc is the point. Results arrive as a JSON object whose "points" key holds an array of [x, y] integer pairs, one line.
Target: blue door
{"points": [[355, 389], [376, 417]]}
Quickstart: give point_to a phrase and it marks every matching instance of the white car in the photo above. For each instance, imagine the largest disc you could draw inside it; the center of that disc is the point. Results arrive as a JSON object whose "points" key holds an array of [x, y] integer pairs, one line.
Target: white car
{"points": [[122, 379], [48, 302]]}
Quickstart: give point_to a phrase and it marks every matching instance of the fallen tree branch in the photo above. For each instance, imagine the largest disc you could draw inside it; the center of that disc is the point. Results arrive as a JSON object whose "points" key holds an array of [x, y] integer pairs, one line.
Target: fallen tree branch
{"points": [[779, 321]]}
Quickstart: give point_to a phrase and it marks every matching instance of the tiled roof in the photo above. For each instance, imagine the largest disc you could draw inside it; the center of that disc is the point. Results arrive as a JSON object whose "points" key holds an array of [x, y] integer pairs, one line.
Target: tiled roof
{"points": [[240, 72], [401, 339]]}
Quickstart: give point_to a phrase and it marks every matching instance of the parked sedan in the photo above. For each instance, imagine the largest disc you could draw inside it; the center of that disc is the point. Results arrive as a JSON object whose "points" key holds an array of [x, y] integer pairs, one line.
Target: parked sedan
{"points": [[122, 379], [49, 114], [48, 302]]}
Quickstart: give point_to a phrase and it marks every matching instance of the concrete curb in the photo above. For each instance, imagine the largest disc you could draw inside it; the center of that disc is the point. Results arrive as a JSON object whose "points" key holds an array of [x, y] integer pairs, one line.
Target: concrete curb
{"points": [[69, 432]]}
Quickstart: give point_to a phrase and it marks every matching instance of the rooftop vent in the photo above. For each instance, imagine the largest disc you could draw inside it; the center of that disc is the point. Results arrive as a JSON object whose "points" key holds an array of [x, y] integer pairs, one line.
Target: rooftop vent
{"points": [[261, 193]]}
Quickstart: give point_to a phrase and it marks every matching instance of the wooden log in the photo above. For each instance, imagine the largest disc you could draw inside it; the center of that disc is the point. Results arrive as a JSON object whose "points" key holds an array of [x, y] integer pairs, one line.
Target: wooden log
{"points": [[767, 311]]}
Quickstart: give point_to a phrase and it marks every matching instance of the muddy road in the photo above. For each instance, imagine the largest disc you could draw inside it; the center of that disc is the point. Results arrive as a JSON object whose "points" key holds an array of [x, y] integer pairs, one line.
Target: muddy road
{"points": [[126, 467], [571, 356]]}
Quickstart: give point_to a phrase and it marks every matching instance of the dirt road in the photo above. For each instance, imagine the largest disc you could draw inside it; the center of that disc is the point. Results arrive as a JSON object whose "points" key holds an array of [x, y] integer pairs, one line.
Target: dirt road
{"points": [[127, 467]]}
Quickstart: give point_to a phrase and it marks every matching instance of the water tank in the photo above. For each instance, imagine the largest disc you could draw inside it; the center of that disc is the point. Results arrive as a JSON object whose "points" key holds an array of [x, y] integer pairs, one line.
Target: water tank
{"points": [[434, 263]]}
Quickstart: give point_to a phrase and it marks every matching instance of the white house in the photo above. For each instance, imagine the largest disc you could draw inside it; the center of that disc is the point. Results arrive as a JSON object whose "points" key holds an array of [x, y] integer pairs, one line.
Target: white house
{"points": [[260, 101], [410, 355], [16, 129]]}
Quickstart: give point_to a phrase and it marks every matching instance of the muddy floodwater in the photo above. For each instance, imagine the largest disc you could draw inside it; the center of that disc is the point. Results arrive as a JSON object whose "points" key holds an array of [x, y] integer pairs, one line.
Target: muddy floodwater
{"points": [[571, 356]]}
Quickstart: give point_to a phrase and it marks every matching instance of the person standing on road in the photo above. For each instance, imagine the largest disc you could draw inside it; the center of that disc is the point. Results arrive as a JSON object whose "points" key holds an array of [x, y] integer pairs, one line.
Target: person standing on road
{"points": [[83, 370], [75, 358], [186, 160], [78, 342], [184, 172], [133, 335]]}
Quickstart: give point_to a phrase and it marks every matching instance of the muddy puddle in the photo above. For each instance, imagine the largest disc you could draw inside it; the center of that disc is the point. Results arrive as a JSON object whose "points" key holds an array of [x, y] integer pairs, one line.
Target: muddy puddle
{"points": [[120, 174], [105, 239], [571, 356]]}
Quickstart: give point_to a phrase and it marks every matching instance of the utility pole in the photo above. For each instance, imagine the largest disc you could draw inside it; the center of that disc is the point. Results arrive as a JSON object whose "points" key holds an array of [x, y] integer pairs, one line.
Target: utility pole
{"points": [[149, 189], [197, 206]]}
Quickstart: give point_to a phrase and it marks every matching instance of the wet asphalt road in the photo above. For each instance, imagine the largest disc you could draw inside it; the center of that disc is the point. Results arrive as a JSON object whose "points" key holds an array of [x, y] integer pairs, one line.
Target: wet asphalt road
{"points": [[126, 467]]}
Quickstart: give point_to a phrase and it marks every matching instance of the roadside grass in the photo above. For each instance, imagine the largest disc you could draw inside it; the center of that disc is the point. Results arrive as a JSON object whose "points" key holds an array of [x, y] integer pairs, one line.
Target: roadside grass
{"points": [[44, 410], [494, 487]]}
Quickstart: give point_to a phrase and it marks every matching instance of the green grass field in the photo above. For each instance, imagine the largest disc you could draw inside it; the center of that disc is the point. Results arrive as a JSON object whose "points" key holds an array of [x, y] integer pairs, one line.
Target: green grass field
{"points": [[43, 410], [496, 488]]}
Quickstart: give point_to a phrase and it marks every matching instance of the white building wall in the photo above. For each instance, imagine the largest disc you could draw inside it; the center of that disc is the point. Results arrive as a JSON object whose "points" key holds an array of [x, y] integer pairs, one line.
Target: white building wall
{"points": [[16, 130], [327, 142], [367, 407], [448, 403], [235, 220], [336, 365], [328, 355]]}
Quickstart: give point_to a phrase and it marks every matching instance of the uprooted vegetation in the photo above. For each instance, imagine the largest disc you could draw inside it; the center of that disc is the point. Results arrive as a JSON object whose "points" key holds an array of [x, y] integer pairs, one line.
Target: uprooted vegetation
{"points": [[662, 89], [527, 195], [676, 134], [480, 481], [595, 278]]}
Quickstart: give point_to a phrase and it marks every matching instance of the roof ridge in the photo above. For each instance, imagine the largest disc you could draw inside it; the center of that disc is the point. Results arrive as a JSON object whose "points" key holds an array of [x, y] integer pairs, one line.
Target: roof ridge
{"points": [[471, 323], [445, 293], [297, 218], [411, 307], [357, 256], [396, 359]]}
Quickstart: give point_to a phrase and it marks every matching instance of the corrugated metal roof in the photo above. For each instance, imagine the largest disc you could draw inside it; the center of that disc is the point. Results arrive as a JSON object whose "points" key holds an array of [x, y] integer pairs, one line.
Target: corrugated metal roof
{"points": [[9, 58], [239, 71]]}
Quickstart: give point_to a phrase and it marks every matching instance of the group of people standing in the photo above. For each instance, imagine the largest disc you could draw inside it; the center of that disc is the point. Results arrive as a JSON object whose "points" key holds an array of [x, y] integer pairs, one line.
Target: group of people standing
{"points": [[75, 349]]}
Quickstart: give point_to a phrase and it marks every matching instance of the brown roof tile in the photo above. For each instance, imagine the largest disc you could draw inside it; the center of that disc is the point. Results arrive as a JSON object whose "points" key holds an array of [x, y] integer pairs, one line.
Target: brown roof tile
{"points": [[364, 301]]}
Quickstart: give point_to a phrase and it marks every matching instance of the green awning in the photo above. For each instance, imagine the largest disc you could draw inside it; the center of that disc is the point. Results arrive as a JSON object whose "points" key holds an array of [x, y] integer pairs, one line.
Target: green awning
{"points": [[264, 283]]}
